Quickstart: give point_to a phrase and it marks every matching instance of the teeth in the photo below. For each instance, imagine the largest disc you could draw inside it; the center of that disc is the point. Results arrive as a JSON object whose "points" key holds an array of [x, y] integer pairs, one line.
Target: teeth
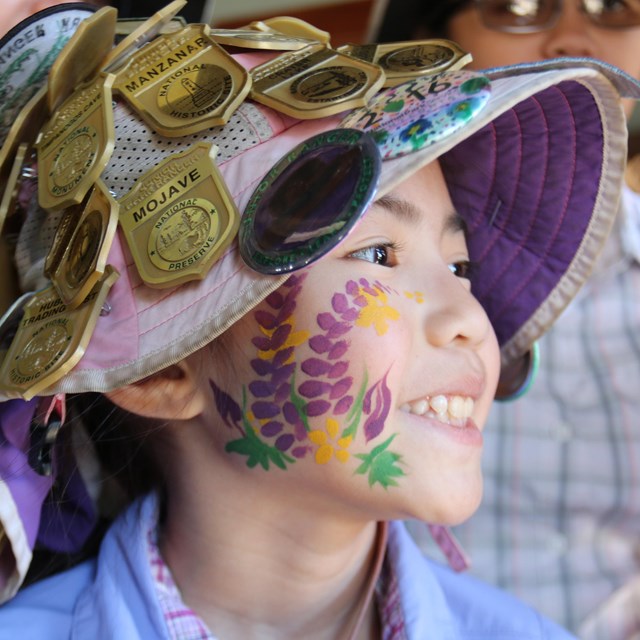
{"points": [[453, 409]]}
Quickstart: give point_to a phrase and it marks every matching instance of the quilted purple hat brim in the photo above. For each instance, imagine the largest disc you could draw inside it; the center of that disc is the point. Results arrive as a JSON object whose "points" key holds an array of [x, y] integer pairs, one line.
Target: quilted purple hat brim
{"points": [[529, 206]]}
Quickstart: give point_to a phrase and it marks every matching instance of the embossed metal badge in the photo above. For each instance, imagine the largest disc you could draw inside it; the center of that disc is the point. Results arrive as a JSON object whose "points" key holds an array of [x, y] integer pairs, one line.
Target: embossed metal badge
{"points": [[255, 39], [418, 113], [183, 82], [179, 218], [82, 56], [142, 31], [315, 82], [78, 256], [75, 145], [403, 61], [51, 339], [286, 25]]}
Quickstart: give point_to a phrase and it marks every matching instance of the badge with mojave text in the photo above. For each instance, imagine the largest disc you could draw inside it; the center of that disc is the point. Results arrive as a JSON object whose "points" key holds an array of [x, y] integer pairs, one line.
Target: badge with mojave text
{"points": [[179, 218], [183, 82]]}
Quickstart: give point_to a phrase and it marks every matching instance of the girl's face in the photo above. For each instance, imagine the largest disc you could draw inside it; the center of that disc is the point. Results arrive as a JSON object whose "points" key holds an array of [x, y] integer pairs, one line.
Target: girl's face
{"points": [[368, 376]]}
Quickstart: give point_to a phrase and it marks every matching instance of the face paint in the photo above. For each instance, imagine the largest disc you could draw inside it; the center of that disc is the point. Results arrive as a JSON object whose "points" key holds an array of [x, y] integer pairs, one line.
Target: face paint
{"points": [[417, 296], [282, 420]]}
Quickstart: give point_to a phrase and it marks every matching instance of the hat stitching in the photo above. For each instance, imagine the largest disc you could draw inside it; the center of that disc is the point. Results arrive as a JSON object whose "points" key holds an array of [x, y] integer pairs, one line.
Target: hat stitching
{"points": [[562, 217]]}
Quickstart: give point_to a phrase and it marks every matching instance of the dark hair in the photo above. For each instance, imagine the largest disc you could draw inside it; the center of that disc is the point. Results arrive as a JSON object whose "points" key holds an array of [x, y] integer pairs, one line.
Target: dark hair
{"points": [[402, 17]]}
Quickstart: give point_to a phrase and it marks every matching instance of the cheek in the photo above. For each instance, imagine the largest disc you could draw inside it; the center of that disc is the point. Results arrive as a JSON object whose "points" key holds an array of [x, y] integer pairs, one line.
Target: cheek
{"points": [[317, 386]]}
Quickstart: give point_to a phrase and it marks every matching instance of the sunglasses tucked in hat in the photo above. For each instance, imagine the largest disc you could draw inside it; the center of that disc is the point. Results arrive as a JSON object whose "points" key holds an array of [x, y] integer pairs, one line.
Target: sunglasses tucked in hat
{"points": [[533, 157]]}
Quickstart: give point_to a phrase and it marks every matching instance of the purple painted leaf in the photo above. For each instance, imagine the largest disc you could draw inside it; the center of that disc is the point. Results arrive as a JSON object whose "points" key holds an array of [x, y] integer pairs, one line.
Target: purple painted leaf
{"points": [[263, 410], [315, 367], [287, 310], [275, 300], [300, 452], [300, 432], [282, 392], [261, 389], [262, 343], [339, 303], [364, 283], [343, 405], [313, 388], [350, 315], [317, 408], [338, 350], [352, 288], [338, 329], [340, 388], [326, 321], [380, 396], [280, 336], [271, 429], [339, 369], [282, 356], [265, 319], [261, 367], [361, 301], [227, 407], [320, 344], [295, 280], [283, 374], [284, 442], [291, 414]]}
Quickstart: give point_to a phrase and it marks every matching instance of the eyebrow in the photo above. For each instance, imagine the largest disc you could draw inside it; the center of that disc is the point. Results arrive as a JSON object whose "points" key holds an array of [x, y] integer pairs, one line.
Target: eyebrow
{"points": [[410, 214]]}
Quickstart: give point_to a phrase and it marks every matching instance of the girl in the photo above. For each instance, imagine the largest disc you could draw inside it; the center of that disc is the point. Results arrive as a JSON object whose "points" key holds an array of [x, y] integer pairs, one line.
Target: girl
{"points": [[279, 395]]}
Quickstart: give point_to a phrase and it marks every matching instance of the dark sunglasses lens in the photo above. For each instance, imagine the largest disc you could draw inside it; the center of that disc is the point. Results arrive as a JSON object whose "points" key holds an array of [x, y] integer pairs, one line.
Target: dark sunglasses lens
{"points": [[309, 201], [613, 14], [518, 15]]}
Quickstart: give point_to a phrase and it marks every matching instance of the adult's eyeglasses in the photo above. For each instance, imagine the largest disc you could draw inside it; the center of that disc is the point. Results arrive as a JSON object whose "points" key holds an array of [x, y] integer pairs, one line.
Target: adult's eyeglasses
{"points": [[528, 16]]}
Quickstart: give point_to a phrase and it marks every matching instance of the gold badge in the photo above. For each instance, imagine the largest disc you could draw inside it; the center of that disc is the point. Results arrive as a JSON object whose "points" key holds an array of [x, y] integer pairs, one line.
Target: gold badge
{"points": [[183, 83], [51, 339], [315, 82], [285, 25], [138, 32], [179, 218], [81, 245], [403, 61], [256, 39], [82, 56], [75, 145]]}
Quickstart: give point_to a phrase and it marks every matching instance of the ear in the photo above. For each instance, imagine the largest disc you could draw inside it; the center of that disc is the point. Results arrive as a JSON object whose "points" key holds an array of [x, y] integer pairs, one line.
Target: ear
{"points": [[171, 394]]}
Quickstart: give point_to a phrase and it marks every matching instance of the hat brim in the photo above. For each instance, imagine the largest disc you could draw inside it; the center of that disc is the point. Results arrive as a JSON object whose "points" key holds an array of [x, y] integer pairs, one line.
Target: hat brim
{"points": [[571, 116]]}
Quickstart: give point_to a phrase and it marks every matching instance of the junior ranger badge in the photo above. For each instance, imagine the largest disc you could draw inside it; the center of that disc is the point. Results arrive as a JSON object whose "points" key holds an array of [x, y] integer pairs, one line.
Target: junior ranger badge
{"points": [[76, 144], [403, 61], [179, 218], [315, 82], [183, 82]]}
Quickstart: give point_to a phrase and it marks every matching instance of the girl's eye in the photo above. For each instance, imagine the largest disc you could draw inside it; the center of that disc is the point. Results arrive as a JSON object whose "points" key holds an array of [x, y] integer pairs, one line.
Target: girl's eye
{"points": [[380, 254], [462, 269]]}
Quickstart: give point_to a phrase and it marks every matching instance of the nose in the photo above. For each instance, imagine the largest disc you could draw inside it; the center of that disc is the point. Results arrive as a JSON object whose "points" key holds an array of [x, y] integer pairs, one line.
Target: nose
{"points": [[572, 35], [455, 317]]}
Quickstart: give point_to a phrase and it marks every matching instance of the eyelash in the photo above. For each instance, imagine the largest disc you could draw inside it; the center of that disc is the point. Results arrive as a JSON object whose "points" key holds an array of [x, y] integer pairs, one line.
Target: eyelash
{"points": [[463, 269], [382, 253]]}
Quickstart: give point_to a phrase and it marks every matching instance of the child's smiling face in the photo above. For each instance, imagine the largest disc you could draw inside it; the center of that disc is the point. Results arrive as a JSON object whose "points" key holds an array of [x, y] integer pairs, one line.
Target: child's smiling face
{"points": [[371, 372]]}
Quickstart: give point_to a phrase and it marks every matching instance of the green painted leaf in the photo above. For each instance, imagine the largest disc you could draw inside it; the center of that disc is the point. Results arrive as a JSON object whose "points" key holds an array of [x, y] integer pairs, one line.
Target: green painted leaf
{"points": [[381, 465]]}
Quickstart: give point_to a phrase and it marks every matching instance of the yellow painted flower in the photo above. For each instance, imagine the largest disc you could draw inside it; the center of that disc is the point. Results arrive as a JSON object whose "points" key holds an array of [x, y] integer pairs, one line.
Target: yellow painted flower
{"points": [[415, 295], [326, 450], [377, 312]]}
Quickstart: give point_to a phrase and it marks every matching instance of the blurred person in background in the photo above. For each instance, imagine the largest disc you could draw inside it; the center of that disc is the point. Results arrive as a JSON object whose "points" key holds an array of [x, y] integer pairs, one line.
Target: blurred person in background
{"points": [[560, 521]]}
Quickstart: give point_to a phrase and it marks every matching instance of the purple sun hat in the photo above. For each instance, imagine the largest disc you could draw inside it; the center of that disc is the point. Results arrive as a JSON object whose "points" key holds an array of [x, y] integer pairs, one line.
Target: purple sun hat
{"points": [[533, 157]]}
